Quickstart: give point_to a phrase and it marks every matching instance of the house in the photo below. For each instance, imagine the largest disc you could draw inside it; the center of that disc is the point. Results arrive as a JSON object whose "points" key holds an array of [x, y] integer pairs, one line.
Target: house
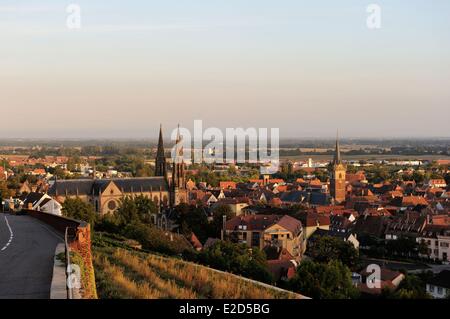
{"points": [[280, 263], [437, 240], [406, 202], [39, 172], [411, 224], [227, 185], [346, 236], [373, 286], [235, 204], [51, 206], [25, 188], [436, 183], [341, 223], [366, 227], [314, 221], [193, 240], [267, 230], [41, 202], [439, 286]]}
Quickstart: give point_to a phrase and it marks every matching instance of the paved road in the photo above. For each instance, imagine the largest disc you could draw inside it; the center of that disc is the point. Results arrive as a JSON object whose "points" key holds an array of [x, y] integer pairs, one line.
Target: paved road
{"points": [[27, 248]]}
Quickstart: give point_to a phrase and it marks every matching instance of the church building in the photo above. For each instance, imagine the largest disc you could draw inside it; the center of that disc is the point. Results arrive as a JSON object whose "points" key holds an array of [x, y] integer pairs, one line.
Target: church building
{"points": [[166, 188]]}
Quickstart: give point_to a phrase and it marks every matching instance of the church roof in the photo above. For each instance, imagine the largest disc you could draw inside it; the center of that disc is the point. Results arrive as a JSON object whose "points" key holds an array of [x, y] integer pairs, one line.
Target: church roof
{"points": [[95, 187]]}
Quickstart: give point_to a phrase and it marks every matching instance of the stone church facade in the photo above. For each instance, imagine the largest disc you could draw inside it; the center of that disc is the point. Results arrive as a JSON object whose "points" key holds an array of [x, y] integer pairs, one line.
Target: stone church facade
{"points": [[166, 189]]}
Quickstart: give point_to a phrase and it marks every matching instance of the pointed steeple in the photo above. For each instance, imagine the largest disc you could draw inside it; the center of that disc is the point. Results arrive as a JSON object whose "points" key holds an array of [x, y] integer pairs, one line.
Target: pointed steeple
{"points": [[160, 152], [337, 154], [178, 171], [160, 162], [179, 151]]}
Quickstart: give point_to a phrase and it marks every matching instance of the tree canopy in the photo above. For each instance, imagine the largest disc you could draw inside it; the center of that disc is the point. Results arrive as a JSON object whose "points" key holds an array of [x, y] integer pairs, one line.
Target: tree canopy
{"points": [[330, 280], [327, 248], [78, 209], [238, 259]]}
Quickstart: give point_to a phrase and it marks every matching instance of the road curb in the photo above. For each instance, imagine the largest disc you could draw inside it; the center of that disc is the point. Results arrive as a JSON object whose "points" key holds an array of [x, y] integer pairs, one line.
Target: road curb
{"points": [[58, 288]]}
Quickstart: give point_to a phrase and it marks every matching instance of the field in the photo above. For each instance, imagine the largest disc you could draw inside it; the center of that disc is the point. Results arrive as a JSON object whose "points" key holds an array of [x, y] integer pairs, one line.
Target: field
{"points": [[127, 274], [321, 158]]}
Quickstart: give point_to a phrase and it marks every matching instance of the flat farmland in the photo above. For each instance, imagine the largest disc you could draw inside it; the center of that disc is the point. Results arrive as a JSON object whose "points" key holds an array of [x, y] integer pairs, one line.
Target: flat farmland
{"points": [[321, 158]]}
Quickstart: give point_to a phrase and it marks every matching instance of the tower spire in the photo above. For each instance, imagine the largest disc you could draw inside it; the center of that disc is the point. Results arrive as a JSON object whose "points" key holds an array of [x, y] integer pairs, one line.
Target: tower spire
{"points": [[337, 155], [160, 162], [178, 173]]}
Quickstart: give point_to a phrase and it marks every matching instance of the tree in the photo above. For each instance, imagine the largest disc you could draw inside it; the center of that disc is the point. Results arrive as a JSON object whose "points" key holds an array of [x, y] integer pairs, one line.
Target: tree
{"points": [[145, 208], [326, 249], [217, 223], [135, 209], [238, 259], [193, 219], [412, 287], [5, 192], [323, 281], [155, 239], [78, 209], [403, 246]]}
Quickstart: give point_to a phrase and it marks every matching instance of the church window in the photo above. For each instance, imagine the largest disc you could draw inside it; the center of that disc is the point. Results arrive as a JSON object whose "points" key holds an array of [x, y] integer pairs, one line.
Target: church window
{"points": [[112, 205]]}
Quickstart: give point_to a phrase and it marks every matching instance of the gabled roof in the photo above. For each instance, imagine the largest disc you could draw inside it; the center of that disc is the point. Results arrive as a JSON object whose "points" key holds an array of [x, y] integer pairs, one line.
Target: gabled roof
{"points": [[291, 224], [252, 222], [45, 201], [32, 198], [95, 187]]}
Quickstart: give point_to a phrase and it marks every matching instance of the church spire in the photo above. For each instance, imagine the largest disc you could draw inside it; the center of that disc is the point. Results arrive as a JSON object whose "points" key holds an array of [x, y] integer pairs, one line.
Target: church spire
{"points": [[337, 154], [178, 174], [160, 162]]}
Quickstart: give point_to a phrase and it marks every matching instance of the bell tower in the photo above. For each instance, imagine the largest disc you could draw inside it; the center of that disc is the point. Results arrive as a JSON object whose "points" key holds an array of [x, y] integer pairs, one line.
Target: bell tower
{"points": [[338, 173]]}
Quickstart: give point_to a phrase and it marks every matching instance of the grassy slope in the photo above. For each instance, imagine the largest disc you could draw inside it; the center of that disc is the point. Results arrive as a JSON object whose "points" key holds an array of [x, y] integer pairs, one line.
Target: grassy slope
{"points": [[124, 273]]}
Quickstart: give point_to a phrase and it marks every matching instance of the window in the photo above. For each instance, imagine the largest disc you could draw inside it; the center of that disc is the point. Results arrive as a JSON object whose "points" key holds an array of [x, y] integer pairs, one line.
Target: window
{"points": [[431, 288], [439, 290], [444, 245], [255, 239], [112, 205]]}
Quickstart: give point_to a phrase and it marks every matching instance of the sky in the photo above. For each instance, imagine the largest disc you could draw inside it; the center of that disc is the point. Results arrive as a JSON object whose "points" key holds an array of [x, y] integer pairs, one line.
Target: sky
{"points": [[305, 67]]}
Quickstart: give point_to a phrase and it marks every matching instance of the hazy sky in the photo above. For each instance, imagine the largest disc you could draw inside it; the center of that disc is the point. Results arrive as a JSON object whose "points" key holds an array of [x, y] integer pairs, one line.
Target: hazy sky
{"points": [[307, 67]]}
